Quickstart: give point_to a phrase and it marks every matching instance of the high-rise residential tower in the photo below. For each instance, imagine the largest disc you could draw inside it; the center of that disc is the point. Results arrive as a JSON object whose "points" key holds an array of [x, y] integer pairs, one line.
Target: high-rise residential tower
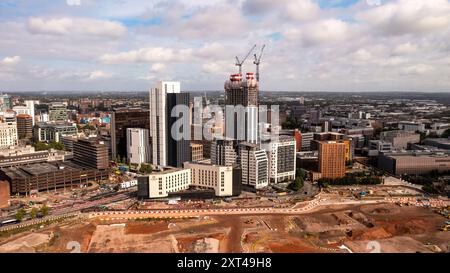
{"points": [[254, 164], [121, 120], [170, 145], [332, 156], [138, 146]]}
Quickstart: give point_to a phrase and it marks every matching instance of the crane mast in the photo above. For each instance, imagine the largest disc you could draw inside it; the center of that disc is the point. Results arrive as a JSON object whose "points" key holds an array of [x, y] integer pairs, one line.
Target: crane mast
{"points": [[240, 63], [257, 62]]}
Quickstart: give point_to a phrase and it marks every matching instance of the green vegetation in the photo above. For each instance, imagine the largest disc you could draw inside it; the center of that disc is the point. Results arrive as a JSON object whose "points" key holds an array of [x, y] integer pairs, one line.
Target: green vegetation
{"points": [[20, 214], [33, 213], [297, 184], [42, 146], [45, 210], [291, 123], [351, 179], [146, 169], [425, 180]]}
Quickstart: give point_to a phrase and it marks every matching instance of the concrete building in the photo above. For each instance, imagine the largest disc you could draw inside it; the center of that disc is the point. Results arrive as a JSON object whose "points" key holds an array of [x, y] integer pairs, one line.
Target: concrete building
{"points": [[8, 133], [380, 146], [4, 194], [414, 163], [223, 152], [92, 153], [5, 102], [169, 147], [58, 112], [160, 184], [121, 120], [410, 126], [49, 176], [441, 143], [17, 155], [400, 139], [239, 92], [196, 152], [332, 157], [219, 178], [27, 109], [282, 159], [306, 139], [138, 149], [254, 164], [52, 131], [24, 126]]}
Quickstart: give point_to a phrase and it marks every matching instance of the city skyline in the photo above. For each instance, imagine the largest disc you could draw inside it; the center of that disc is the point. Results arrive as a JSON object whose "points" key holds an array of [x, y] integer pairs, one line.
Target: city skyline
{"points": [[345, 45]]}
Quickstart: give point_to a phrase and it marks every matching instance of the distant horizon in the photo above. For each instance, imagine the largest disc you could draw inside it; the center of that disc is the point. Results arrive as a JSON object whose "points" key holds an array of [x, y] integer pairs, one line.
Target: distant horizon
{"points": [[209, 91]]}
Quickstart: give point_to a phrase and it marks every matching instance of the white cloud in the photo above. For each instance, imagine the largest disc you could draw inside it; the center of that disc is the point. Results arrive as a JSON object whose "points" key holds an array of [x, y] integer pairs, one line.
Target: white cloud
{"points": [[301, 10], [158, 68], [11, 60], [98, 74], [149, 54], [409, 16], [73, 2], [320, 32], [405, 49], [72, 25], [418, 69]]}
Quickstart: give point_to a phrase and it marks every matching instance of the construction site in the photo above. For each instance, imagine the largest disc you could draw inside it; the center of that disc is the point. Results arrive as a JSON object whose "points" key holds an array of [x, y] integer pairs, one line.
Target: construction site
{"points": [[334, 222]]}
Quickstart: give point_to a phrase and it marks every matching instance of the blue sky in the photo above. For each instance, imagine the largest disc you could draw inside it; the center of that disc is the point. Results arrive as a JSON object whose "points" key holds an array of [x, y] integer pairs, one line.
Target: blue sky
{"points": [[311, 45]]}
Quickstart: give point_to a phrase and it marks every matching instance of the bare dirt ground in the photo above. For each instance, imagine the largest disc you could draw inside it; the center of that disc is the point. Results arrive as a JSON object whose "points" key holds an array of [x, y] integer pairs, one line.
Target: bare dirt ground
{"points": [[394, 228]]}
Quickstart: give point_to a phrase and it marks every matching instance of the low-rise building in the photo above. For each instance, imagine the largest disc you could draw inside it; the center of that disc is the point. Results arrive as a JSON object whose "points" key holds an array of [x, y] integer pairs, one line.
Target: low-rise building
{"points": [[197, 152], [400, 139], [49, 176], [415, 163], [219, 178], [51, 131]]}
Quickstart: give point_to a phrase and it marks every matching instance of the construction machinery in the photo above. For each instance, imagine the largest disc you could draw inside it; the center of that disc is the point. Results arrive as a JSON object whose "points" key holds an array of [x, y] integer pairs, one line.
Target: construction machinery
{"points": [[257, 62], [239, 63]]}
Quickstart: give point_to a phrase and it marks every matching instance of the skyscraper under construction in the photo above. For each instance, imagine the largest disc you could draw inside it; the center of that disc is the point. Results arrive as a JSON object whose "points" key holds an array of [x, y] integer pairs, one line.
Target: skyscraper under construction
{"points": [[243, 92]]}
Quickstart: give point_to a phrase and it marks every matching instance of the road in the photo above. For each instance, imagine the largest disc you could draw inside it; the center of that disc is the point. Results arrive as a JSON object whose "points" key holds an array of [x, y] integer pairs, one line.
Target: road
{"points": [[189, 213]]}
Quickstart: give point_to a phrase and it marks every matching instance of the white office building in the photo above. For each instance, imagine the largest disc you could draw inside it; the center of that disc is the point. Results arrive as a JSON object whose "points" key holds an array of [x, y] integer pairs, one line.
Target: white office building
{"points": [[282, 156], [254, 164], [158, 120], [160, 184], [138, 146], [8, 134], [219, 178]]}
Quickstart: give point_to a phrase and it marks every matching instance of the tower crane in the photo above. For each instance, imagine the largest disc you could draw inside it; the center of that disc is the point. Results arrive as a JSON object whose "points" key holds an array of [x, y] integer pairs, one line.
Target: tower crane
{"points": [[240, 63], [257, 61]]}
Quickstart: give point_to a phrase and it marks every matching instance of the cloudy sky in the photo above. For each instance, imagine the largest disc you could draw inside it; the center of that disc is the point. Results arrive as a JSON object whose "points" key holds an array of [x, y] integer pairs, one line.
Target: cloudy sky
{"points": [[311, 45]]}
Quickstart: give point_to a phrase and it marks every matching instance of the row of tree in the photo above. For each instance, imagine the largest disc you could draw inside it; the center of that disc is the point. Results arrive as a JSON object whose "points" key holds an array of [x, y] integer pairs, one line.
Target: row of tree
{"points": [[42, 146], [350, 179], [34, 212]]}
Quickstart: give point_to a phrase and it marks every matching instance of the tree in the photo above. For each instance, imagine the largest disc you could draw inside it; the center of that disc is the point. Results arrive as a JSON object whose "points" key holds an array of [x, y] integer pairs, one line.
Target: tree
{"points": [[146, 169], [20, 214], [33, 213], [297, 184], [45, 210]]}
